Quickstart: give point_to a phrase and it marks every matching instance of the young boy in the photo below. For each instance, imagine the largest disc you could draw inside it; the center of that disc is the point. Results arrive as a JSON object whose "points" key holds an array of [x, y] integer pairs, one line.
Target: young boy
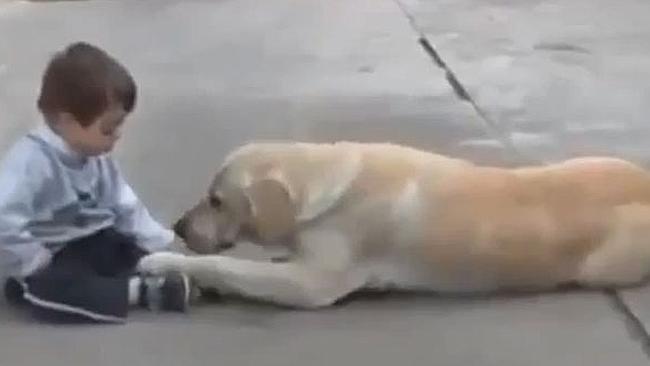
{"points": [[71, 228]]}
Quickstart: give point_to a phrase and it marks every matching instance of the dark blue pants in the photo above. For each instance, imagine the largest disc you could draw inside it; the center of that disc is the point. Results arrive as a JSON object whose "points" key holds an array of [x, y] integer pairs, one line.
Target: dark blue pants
{"points": [[87, 281]]}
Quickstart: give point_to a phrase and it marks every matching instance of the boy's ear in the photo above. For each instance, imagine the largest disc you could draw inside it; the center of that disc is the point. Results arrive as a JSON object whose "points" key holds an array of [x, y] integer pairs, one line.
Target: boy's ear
{"points": [[65, 117], [63, 120]]}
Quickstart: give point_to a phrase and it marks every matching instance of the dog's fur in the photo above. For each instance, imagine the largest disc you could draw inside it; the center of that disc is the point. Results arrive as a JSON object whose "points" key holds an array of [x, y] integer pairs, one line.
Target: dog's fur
{"points": [[359, 216]]}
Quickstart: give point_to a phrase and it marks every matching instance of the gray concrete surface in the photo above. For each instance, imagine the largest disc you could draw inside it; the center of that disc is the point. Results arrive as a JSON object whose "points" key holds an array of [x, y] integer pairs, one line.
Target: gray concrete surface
{"points": [[561, 330], [214, 74], [564, 78]]}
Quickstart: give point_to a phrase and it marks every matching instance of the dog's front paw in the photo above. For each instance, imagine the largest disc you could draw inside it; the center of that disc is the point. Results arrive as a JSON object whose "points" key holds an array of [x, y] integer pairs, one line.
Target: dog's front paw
{"points": [[161, 263]]}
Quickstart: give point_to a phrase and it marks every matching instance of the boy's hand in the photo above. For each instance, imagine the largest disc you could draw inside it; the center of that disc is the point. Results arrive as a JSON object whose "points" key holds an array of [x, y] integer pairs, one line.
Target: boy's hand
{"points": [[162, 262]]}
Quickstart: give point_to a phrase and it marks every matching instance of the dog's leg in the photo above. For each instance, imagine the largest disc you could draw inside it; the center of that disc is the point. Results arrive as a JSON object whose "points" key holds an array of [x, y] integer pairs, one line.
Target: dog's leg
{"points": [[293, 284], [623, 260]]}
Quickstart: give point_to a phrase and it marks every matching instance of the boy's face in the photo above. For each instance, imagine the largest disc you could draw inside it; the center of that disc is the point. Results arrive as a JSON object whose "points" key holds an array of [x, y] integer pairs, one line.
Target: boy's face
{"points": [[97, 138]]}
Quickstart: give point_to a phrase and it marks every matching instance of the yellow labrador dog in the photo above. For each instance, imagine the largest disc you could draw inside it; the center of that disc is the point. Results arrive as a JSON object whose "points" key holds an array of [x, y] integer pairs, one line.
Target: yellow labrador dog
{"points": [[381, 216]]}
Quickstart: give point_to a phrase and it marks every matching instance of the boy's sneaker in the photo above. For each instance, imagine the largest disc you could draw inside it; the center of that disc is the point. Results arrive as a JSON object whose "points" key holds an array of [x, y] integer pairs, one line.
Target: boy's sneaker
{"points": [[170, 292]]}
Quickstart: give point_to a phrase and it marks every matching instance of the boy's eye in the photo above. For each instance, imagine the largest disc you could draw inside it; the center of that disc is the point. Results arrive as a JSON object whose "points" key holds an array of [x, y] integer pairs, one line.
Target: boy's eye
{"points": [[215, 201], [110, 129], [107, 130]]}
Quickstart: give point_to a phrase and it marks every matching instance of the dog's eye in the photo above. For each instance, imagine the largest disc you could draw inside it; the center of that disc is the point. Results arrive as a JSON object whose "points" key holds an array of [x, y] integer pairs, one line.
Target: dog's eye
{"points": [[215, 201]]}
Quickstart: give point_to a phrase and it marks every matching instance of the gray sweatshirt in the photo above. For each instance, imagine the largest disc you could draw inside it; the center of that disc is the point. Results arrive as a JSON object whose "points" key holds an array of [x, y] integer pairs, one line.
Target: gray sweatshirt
{"points": [[50, 195]]}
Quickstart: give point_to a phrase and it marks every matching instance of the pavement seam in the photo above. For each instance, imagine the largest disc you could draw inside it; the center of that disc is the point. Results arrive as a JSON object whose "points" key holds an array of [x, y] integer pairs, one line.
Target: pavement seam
{"points": [[635, 326], [490, 125]]}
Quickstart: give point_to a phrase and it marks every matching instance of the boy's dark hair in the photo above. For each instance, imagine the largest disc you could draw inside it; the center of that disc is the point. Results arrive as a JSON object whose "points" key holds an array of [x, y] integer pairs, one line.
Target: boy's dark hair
{"points": [[83, 80]]}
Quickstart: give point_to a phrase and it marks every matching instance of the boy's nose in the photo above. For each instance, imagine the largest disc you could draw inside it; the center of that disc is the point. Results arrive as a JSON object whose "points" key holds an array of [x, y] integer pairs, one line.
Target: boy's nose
{"points": [[179, 228]]}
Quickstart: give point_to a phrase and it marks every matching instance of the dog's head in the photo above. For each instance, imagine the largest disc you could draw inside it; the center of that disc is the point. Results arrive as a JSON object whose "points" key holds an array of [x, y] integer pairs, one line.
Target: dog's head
{"points": [[261, 194], [262, 209]]}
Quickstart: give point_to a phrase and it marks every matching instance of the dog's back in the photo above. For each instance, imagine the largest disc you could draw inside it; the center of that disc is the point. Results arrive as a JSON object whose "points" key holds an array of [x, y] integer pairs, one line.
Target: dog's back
{"points": [[538, 226]]}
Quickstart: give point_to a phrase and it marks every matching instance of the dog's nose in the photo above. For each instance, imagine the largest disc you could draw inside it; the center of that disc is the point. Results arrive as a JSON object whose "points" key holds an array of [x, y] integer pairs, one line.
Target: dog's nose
{"points": [[179, 228]]}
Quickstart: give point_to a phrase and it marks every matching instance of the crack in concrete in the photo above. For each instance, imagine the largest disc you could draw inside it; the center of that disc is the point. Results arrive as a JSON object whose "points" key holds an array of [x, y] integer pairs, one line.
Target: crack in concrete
{"points": [[635, 326], [489, 124]]}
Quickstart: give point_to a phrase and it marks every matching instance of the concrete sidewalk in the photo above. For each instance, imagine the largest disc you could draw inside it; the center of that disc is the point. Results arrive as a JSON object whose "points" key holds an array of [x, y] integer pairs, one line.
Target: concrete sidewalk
{"points": [[213, 74]]}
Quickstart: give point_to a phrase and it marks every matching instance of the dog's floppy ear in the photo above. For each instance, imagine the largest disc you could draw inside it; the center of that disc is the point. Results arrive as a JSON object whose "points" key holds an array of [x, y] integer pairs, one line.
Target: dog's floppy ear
{"points": [[271, 207], [284, 198]]}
